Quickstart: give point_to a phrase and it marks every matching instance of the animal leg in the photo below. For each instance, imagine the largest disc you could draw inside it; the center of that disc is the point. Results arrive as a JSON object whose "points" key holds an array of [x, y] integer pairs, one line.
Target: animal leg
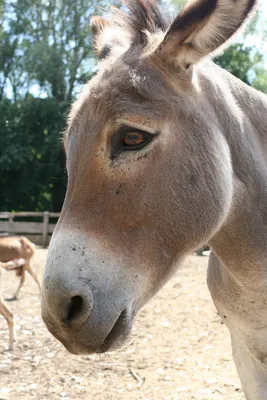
{"points": [[22, 279], [252, 372], [32, 273], [7, 314]]}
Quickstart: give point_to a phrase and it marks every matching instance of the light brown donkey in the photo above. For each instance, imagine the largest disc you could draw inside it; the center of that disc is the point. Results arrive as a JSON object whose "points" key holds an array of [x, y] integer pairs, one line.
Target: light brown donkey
{"points": [[16, 264], [165, 152], [13, 248]]}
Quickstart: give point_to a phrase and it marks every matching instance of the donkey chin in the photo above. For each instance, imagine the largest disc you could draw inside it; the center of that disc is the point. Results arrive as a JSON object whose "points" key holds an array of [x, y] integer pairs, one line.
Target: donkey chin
{"points": [[82, 341]]}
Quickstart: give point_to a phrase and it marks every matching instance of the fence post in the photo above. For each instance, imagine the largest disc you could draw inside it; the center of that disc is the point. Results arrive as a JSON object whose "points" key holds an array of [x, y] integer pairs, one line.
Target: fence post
{"points": [[10, 222], [45, 228]]}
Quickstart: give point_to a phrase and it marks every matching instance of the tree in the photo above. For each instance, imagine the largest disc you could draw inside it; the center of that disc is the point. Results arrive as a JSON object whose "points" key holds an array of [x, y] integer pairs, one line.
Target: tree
{"points": [[260, 79], [46, 45], [45, 55], [32, 165], [241, 61]]}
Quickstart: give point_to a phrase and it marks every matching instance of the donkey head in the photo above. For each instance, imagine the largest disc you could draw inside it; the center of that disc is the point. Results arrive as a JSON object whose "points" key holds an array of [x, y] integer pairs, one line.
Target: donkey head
{"points": [[149, 170]]}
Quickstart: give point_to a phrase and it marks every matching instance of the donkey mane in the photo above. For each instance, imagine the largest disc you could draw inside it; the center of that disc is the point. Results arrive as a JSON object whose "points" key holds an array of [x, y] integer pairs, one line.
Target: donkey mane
{"points": [[141, 16]]}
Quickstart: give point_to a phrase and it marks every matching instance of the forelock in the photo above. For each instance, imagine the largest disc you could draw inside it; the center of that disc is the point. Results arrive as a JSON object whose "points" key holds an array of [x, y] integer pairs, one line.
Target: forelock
{"points": [[139, 17]]}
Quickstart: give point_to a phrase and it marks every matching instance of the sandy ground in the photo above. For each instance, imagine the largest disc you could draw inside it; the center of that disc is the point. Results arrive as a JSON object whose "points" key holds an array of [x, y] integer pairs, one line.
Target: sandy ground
{"points": [[178, 350]]}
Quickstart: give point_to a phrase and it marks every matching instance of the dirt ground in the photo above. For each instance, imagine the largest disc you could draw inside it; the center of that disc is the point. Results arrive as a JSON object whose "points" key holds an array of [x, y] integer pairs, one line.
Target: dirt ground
{"points": [[178, 350]]}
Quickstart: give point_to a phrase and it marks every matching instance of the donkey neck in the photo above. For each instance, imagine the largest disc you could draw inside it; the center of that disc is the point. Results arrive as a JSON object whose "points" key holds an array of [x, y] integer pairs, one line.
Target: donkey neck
{"points": [[241, 113]]}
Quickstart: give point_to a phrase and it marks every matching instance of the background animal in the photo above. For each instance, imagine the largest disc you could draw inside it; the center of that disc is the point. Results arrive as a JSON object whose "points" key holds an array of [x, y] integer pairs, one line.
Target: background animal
{"points": [[16, 264], [15, 248]]}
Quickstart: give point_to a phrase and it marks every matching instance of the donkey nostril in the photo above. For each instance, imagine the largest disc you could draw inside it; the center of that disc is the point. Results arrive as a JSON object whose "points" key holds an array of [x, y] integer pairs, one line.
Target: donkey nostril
{"points": [[75, 308]]}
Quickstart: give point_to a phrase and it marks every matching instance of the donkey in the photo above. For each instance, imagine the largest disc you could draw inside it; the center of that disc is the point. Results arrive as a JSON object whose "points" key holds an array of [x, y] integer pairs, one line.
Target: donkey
{"points": [[165, 152], [13, 248]]}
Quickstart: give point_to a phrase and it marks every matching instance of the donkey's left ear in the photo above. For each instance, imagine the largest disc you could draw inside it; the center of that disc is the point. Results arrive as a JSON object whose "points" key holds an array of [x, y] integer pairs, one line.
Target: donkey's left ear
{"points": [[107, 37], [202, 27]]}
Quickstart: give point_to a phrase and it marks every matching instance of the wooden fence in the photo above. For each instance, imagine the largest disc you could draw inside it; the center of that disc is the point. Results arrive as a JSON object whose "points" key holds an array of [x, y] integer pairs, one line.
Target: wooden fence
{"points": [[35, 225]]}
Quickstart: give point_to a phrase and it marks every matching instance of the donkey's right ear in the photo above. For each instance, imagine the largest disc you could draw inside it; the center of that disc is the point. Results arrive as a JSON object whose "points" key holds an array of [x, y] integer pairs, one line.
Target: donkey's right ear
{"points": [[107, 37], [203, 27]]}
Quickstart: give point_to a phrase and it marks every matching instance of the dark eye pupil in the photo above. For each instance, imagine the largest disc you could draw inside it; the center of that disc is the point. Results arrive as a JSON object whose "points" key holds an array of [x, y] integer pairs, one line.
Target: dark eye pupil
{"points": [[132, 139]]}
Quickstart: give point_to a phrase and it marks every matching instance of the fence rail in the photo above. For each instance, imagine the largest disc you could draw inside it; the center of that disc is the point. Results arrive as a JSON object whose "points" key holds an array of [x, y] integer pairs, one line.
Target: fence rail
{"points": [[43, 228]]}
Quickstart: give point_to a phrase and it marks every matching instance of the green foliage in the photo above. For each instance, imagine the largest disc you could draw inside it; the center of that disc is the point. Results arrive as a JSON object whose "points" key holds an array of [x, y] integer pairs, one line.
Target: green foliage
{"points": [[260, 79], [45, 55], [48, 43], [243, 62], [32, 158]]}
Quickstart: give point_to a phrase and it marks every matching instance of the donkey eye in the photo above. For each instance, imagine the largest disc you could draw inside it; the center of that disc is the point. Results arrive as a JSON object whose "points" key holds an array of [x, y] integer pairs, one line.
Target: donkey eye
{"points": [[135, 140], [128, 138]]}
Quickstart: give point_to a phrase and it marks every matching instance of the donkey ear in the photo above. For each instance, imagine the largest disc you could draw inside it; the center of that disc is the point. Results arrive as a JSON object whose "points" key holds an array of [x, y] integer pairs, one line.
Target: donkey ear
{"points": [[202, 27], [106, 37]]}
